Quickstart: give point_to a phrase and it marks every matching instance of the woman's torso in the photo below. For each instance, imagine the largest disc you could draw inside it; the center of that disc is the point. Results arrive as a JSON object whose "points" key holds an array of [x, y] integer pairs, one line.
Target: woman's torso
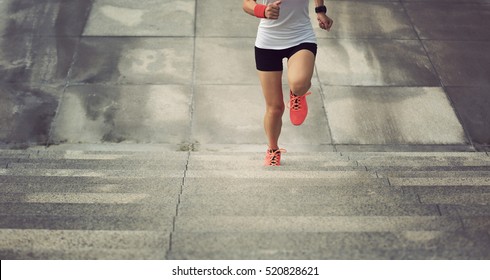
{"points": [[292, 28]]}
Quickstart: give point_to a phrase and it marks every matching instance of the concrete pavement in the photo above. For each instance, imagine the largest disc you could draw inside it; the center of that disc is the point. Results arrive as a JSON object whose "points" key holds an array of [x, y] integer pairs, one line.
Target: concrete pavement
{"points": [[389, 73], [133, 129]]}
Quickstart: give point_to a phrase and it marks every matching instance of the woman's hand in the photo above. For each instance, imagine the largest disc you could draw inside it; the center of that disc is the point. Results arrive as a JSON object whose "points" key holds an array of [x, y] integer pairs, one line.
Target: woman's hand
{"points": [[272, 10], [324, 21]]}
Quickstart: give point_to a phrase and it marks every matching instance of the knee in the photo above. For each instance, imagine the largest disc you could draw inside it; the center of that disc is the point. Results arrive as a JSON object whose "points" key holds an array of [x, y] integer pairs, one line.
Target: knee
{"points": [[276, 110], [299, 87]]}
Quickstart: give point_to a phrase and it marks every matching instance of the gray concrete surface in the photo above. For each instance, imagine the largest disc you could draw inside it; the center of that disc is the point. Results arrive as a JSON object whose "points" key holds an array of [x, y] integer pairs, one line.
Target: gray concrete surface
{"points": [[133, 130], [100, 202], [171, 72]]}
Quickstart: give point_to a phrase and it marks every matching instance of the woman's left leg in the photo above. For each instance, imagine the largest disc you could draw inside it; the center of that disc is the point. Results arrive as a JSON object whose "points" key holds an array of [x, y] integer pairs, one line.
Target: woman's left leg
{"points": [[300, 71]]}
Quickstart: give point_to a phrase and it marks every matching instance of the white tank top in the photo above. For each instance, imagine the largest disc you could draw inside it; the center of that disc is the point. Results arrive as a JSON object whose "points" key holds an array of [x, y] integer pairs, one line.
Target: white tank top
{"points": [[292, 28]]}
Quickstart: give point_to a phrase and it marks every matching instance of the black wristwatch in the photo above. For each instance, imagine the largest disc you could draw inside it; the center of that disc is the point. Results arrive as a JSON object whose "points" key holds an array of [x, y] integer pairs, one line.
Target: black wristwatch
{"points": [[321, 9]]}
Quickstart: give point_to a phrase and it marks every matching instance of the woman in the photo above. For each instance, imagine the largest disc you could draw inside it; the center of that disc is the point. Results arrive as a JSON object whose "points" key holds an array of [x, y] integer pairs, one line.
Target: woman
{"points": [[285, 31]]}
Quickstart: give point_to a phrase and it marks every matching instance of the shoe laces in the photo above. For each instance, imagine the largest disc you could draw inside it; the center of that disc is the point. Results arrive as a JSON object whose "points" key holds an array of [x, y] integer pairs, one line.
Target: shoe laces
{"points": [[273, 158], [295, 101]]}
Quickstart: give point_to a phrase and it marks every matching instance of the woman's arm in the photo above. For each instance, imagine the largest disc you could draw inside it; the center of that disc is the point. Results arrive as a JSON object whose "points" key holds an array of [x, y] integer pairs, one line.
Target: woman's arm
{"points": [[323, 20], [319, 3], [271, 11], [248, 6]]}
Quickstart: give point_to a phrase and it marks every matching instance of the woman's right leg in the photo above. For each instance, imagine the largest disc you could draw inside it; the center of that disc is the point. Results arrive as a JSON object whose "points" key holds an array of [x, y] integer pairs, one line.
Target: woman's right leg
{"points": [[271, 82]]}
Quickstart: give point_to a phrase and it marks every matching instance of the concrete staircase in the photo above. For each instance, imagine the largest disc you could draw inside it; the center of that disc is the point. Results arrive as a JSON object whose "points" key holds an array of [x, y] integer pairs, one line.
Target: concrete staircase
{"points": [[160, 204]]}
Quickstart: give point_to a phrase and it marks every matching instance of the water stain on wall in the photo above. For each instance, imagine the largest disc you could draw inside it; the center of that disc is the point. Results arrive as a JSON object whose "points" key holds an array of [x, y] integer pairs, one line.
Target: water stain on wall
{"points": [[39, 40]]}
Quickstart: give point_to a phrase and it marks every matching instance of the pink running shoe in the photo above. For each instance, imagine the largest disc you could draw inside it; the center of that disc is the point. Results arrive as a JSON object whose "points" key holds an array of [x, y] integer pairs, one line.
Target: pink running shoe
{"points": [[273, 157], [298, 108]]}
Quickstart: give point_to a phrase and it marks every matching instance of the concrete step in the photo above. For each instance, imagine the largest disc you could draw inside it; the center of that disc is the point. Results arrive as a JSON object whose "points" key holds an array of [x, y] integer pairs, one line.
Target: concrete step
{"points": [[289, 190], [158, 204], [434, 174], [92, 155], [82, 244], [371, 208], [93, 172], [429, 162], [277, 173], [89, 209], [163, 186], [65, 222], [285, 166], [284, 199], [87, 198], [254, 161], [288, 224], [83, 254], [82, 180], [462, 181], [200, 182], [332, 245], [95, 164], [414, 155]]}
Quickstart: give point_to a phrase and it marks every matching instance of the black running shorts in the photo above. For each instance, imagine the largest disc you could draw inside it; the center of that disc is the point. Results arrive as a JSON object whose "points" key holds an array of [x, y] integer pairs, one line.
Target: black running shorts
{"points": [[271, 60]]}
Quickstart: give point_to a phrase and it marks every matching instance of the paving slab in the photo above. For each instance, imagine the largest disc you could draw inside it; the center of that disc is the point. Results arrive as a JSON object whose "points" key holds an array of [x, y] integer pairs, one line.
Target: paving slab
{"points": [[163, 224], [210, 25], [252, 160], [86, 198], [292, 165], [455, 175], [76, 239], [349, 208], [403, 155], [212, 69], [132, 167], [133, 60], [80, 180], [477, 223], [465, 210], [83, 254], [97, 113], [456, 21], [343, 254], [161, 208], [44, 18], [141, 18], [447, 190], [461, 198], [427, 160], [331, 198], [26, 112], [366, 19], [122, 153], [274, 174], [391, 115], [164, 186], [56, 173], [460, 63], [375, 62], [216, 119], [328, 245], [231, 182], [471, 104], [30, 59], [292, 190], [314, 224], [408, 148], [77, 244]]}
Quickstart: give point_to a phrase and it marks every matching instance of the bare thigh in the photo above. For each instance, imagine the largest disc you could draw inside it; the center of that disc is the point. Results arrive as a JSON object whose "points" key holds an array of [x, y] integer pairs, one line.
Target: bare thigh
{"points": [[271, 82], [300, 71]]}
